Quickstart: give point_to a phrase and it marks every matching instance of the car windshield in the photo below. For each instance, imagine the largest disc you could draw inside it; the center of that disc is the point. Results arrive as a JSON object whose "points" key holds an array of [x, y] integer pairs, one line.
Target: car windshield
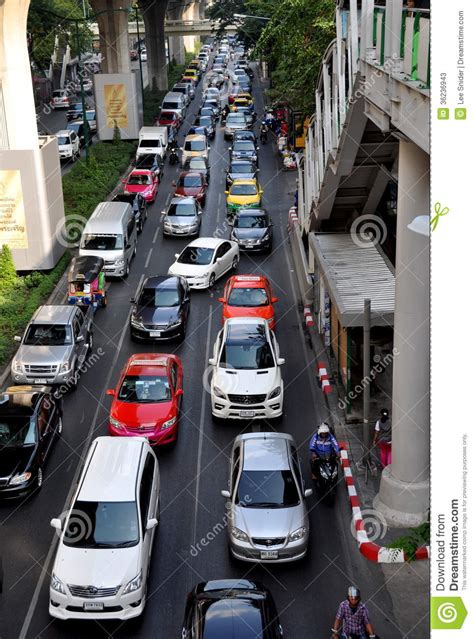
{"points": [[182, 209], [195, 145], [190, 181], [251, 222], [207, 111], [241, 168], [236, 118], [16, 431], [246, 348], [74, 127], [248, 297], [204, 121], [267, 489], [199, 256], [244, 145], [63, 141], [243, 189], [146, 161], [158, 298], [102, 524], [48, 335], [141, 389], [139, 180], [102, 242]]}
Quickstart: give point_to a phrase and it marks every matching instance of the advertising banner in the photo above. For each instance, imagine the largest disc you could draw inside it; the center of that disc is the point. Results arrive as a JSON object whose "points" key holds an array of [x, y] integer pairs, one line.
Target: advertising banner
{"points": [[12, 211], [115, 99]]}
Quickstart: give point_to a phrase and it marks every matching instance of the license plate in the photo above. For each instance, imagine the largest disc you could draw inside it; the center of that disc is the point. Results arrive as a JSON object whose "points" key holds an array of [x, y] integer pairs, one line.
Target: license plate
{"points": [[93, 605], [155, 333], [269, 554], [247, 413], [40, 381]]}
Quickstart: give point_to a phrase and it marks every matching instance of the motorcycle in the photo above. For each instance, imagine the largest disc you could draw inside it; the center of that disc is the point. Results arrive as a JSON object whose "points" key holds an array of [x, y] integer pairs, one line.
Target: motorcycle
{"points": [[263, 135], [174, 158], [324, 470], [224, 113]]}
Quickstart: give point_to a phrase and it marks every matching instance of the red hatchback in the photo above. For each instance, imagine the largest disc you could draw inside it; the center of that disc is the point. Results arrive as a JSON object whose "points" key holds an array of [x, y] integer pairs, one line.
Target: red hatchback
{"points": [[248, 296], [192, 184], [144, 182], [147, 398]]}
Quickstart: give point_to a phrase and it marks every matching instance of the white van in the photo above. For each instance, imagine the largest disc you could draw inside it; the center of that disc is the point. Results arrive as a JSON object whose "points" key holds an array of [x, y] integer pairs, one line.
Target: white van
{"points": [[111, 233], [152, 139], [174, 102], [106, 537]]}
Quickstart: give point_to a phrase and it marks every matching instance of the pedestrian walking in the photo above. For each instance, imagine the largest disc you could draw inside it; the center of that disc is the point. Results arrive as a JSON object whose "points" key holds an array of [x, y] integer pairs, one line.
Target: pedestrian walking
{"points": [[383, 437], [352, 618]]}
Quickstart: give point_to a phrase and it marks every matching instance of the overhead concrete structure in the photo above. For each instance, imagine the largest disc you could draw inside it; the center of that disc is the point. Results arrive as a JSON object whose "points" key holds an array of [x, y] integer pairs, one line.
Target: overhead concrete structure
{"points": [[154, 13], [31, 200], [371, 126], [112, 18]]}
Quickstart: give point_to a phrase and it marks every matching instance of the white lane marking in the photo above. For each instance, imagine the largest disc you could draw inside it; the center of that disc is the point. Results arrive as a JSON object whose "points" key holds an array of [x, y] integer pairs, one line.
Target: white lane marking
{"points": [[168, 198], [54, 541], [156, 234], [148, 257], [201, 428]]}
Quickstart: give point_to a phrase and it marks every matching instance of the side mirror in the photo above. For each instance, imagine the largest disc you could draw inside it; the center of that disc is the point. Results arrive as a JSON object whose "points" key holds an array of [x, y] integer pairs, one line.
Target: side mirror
{"points": [[151, 523], [226, 192], [274, 300], [110, 391], [176, 255], [225, 493], [79, 338], [213, 361], [17, 338], [281, 361], [221, 300], [179, 392], [56, 523], [308, 492]]}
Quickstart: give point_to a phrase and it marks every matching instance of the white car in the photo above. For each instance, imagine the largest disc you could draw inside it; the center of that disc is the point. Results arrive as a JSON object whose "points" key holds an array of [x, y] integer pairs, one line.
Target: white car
{"points": [[106, 538], [246, 380], [204, 260], [268, 518], [60, 99], [68, 145], [143, 55]]}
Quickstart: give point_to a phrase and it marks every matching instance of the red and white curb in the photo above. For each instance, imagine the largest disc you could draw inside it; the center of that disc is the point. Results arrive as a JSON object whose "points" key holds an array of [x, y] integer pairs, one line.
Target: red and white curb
{"points": [[369, 549], [292, 217], [308, 316], [324, 378]]}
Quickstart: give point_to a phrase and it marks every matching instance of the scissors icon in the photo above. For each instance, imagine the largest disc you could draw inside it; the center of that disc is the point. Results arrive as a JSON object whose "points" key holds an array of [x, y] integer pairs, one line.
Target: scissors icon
{"points": [[439, 212]]}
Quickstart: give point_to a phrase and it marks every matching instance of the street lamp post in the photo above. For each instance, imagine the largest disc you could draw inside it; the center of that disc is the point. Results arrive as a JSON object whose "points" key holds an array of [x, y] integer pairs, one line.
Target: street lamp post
{"points": [[83, 97], [139, 56]]}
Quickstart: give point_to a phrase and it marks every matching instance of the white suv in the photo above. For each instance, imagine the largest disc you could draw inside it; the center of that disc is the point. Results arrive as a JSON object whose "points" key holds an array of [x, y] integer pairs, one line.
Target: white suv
{"points": [[69, 145], [246, 380], [106, 538]]}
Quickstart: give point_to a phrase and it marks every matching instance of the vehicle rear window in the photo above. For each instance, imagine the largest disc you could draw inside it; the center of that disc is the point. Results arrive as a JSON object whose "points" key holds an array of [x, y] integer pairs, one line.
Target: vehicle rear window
{"points": [[92, 242], [253, 297], [102, 524], [195, 145], [150, 143], [171, 105], [48, 335]]}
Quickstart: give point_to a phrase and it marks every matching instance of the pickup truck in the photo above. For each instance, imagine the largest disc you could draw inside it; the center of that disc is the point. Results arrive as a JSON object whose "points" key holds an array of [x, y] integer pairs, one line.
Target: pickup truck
{"points": [[55, 344]]}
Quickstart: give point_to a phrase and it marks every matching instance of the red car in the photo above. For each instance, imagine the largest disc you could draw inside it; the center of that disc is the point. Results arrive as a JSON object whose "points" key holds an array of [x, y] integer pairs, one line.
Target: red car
{"points": [[248, 296], [192, 184], [147, 399], [170, 119], [144, 182]]}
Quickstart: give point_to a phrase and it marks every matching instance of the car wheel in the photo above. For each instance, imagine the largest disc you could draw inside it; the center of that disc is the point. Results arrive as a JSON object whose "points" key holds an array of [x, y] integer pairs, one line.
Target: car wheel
{"points": [[235, 262], [39, 478], [212, 280], [127, 271]]}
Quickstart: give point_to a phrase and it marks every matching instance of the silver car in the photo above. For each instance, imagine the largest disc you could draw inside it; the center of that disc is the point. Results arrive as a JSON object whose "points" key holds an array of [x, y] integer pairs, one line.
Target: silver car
{"points": [[234, 122], [183, 217], [268, 519]]}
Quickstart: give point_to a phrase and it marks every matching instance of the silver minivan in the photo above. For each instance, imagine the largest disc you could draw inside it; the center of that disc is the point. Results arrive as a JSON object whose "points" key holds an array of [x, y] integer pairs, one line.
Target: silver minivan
{"points": [[174, 102], [111, 233], [268, 519]]}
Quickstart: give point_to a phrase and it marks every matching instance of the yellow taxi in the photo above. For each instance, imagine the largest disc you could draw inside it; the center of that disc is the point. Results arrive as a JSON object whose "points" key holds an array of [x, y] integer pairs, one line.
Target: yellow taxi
{"points": [[241, 102], [191, 74], [245, 96], [243, 194]]}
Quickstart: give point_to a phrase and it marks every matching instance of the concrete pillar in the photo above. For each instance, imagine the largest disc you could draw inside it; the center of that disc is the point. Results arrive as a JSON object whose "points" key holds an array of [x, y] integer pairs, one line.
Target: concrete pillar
{"points": [[191, 12], [113, 34], [403, 497], [176, 49]]}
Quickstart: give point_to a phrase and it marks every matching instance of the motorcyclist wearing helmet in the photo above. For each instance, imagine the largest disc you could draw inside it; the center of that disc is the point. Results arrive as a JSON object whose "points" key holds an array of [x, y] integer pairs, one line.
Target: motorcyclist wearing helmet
{"points": [[352, 618], [323, 445]]}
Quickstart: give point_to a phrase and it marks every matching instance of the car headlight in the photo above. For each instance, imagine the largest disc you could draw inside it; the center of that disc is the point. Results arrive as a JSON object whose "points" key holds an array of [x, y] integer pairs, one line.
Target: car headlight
{"points": [[299, 533], [134, 584], [21, 478], [275, 392], [57, 584], [238, 534], [65, 367], [169, 423], [136, 321], [265, 236], [175, 322], [116, 424], [219, 393], [17, 366]]}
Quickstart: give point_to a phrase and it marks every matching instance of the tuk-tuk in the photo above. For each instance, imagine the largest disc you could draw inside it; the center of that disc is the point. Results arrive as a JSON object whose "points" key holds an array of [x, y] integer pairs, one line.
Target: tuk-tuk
{"points": [[86, 282]]}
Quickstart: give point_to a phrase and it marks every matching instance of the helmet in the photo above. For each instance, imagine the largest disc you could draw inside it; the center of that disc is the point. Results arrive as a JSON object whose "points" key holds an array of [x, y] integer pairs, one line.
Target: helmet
{"points": [[384, 412], [353, 591], [324, 428]]}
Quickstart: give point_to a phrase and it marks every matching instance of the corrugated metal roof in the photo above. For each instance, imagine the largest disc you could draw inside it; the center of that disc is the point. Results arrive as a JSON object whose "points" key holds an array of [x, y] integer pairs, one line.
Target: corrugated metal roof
{"points": [[354, 271]]}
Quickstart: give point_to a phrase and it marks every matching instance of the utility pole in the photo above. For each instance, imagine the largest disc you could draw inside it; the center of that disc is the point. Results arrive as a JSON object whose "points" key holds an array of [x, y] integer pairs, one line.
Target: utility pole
{"points": [[83, 97], [139, 55], [366, 380]]}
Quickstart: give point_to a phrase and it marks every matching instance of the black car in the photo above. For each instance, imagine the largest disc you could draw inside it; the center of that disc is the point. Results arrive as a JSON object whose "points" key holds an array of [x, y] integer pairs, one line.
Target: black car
{"points": [[200, 164], [138, 204], [150, 162], [74, 112], [240, 170], [226, 608], [160, 312], [30, 421], [79, 128], [252, 230], [244, 149], [208, 122], [208, 111]]}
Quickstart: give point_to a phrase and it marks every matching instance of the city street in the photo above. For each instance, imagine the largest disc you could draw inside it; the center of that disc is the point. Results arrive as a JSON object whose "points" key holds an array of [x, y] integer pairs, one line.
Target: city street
{"points": [[307, 593]]}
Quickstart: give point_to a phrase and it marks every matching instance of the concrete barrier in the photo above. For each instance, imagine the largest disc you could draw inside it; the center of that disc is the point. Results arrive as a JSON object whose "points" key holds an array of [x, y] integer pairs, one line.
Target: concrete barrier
{"points": [[305, 281]]}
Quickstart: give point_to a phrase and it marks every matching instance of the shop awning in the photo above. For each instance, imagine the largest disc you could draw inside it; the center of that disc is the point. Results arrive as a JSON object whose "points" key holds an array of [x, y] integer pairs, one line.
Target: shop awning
{"points": [[353, 272]]}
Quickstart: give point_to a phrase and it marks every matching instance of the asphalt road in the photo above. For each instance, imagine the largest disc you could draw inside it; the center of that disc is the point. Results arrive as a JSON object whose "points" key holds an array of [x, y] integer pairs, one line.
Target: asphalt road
{"points": [[192, 475]]}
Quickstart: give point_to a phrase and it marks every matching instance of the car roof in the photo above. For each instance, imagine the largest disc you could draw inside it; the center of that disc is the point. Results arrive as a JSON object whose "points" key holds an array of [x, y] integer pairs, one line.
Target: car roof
{"points": [[238, 181], [53, 314], [110, 470], [251, 212], [248, 281], [162, 281], [206, 242], [63, 133], [265, 451], [183, 200], [194, 136], [21, 399], [147, 363], [140, 172], [190, 173]]}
